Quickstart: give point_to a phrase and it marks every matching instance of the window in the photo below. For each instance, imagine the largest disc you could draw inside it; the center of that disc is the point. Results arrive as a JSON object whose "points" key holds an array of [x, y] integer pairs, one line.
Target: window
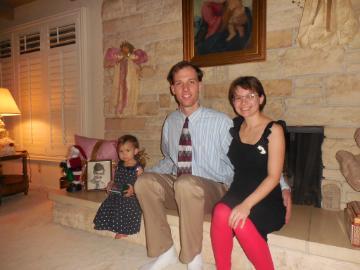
{"points": [[6, 66], [46, 67], [5, 48], [62, 36], [29, 43]]}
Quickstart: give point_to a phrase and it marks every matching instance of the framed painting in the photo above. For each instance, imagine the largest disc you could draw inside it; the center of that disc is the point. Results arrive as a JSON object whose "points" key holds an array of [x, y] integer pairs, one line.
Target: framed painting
{"points": [[222, 32], [98, 174]]}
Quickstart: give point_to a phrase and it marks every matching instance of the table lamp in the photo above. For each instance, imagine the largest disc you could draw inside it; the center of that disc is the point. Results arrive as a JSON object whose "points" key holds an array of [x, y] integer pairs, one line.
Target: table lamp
{"points": [[8, 107]]}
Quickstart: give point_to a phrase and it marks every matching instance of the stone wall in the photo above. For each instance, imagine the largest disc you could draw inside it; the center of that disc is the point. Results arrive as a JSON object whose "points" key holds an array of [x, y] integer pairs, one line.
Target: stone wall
{"points": [[304, 86]]}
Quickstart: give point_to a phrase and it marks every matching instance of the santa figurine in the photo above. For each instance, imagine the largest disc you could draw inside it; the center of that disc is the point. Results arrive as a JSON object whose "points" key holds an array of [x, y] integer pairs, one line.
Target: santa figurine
{"points": [[73, 167], [75, 162]]}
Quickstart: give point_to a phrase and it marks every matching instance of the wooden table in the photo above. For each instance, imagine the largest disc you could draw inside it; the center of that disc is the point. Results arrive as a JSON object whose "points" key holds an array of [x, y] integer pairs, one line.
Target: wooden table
{"points": [[14, 183]]}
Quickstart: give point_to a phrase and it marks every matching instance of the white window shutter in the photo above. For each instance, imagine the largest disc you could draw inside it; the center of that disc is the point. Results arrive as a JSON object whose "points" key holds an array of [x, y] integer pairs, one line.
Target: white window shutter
{"points": [[34, 104], [64, 97], [6, 73], [29, 43], [5, 48], [62, 35]]}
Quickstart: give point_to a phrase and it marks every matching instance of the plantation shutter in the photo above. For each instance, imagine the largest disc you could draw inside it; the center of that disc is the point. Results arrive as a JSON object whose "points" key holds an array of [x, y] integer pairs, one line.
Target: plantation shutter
{"points": [[29, 42], [6, 73], [33, 103], [5, 48], [6, 67], [64, 97], [62, 35]]}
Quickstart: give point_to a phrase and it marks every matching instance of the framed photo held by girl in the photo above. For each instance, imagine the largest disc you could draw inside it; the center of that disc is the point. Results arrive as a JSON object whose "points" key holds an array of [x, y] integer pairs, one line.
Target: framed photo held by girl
{"points": [[99, 174]]}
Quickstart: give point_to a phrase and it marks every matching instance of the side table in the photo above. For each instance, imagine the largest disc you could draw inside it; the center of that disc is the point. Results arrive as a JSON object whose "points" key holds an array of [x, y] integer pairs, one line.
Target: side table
{"points": [[14, 183]]}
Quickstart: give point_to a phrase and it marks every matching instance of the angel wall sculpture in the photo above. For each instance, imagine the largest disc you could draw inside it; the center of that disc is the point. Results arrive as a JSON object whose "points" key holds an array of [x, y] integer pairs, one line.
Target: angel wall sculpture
{"points": [[126, 62]]}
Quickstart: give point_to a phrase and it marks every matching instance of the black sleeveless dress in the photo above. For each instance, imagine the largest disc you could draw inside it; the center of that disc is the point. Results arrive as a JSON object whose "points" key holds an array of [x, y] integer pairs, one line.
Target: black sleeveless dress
{"points": [[250, 165]]}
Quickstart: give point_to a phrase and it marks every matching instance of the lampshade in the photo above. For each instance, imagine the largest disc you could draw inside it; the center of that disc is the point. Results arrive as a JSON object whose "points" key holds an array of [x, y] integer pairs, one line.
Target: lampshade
{"points": [[8, 106]]}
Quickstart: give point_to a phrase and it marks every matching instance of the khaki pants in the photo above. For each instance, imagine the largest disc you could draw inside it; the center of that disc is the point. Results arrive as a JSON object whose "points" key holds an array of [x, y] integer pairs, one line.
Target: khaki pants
{"points": [[193, 197]]}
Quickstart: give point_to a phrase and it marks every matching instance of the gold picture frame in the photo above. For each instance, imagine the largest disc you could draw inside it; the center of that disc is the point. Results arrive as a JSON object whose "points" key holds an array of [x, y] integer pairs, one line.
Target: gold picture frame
{"points": [[208, 32]]}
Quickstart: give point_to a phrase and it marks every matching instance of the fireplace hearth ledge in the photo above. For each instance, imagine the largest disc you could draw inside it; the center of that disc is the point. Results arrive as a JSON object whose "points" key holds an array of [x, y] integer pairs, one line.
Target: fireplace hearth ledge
{"points": [[313, 238]]}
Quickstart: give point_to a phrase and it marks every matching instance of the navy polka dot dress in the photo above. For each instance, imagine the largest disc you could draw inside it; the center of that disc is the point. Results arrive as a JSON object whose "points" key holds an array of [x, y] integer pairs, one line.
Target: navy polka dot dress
{"points": [[117, 213]]}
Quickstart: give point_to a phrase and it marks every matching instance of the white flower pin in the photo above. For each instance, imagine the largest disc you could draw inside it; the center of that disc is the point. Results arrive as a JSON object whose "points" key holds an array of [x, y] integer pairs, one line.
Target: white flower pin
{"points": [[261, 150]]}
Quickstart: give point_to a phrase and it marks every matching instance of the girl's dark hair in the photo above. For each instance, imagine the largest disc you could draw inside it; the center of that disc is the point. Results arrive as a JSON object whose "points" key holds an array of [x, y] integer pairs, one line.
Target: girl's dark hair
{"points": [[141, 156], [248, 83], [184, 64]]}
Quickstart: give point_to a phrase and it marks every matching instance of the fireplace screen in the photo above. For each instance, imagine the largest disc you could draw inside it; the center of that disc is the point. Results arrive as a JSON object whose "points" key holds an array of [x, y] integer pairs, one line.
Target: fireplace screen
{"points": [[303, 163]]}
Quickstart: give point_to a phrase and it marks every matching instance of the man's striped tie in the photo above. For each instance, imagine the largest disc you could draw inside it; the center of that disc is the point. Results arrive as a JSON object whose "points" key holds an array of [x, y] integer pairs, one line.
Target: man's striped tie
{"points": [[185, 151]]}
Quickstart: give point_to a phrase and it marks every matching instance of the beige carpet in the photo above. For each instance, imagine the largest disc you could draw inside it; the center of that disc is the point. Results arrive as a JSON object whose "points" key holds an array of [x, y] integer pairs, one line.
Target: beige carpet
{"points": [[29, 240]]}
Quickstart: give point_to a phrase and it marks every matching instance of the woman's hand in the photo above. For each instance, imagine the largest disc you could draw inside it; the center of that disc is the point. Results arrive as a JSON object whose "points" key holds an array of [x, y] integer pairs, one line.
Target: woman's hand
{"points": [[286, 194], [239, 213], [129, 192]]}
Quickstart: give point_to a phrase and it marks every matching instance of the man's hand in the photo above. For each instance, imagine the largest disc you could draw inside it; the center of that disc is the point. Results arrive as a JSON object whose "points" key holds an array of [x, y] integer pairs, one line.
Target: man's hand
{"points": [[286, 194], [139, 171]]}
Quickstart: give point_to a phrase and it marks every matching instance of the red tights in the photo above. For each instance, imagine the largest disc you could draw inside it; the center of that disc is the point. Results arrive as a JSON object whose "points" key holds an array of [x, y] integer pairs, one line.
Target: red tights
{"points": [[253, 244]]}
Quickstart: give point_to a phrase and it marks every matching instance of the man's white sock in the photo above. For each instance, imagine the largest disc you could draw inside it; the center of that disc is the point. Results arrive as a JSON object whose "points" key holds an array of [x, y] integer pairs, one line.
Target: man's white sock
{"points": [[196, 263], [169, 257]]}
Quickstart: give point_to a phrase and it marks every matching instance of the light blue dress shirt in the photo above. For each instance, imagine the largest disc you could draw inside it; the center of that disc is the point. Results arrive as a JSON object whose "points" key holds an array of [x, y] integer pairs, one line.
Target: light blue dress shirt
{"points": [[210, 137]]}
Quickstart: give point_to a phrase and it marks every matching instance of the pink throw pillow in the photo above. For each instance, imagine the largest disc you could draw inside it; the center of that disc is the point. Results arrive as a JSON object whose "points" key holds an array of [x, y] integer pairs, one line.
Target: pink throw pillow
{"points": [[107, 149]]}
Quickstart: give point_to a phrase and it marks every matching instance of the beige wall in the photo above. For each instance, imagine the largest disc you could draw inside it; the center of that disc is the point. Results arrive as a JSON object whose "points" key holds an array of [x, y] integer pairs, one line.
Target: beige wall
{"points": [[304, 86]]}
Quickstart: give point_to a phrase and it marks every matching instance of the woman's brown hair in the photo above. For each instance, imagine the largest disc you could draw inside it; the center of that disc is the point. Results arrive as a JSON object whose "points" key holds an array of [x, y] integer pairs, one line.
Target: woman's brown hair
{"points": [[248, 83]]}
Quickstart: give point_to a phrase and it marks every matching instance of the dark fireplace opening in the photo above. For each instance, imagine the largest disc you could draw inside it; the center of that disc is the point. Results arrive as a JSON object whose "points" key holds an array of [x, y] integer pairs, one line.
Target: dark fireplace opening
{"points": [[303, 163]]}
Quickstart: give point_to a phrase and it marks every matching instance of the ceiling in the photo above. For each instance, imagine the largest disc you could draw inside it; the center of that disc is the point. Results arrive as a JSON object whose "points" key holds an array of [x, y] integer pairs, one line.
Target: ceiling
{"points": [[7, 7]]}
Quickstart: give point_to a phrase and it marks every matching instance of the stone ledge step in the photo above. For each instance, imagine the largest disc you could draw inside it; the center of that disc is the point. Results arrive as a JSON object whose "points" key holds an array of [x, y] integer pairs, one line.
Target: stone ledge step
{"points": [[314, 237]]}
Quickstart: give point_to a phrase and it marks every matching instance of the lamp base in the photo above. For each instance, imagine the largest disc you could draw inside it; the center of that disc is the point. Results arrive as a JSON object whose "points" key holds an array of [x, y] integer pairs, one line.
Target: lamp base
{"points": [[3, 132], [7, 146]]}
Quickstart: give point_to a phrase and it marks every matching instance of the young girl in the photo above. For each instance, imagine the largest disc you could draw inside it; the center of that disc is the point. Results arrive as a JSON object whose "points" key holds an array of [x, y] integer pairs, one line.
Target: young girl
{"points": [[253, 205], [120, 211]]}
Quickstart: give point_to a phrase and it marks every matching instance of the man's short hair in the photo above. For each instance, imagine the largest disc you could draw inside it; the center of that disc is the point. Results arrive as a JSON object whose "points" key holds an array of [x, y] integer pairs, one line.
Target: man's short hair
{"points": [[180, 65]]}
